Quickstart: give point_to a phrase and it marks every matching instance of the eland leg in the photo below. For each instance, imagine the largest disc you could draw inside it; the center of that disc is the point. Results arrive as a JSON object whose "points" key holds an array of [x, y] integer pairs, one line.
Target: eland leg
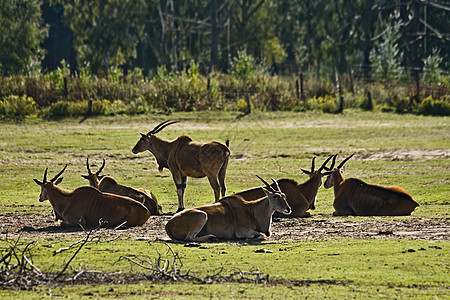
{"points": [[215, 186], [222, 173], [186, 225], [180, 182], [341, 207]]}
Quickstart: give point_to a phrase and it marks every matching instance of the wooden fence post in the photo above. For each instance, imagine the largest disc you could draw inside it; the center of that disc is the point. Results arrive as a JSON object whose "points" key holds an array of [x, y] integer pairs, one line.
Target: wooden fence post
{"points": [[247, 100], [66, 92], [417, 85], [89, 111], [369, 105]]}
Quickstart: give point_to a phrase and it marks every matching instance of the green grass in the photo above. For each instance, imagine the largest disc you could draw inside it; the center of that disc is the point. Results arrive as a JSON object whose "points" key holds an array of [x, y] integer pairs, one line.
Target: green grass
{"points": [[268, 144], [336, 268]]}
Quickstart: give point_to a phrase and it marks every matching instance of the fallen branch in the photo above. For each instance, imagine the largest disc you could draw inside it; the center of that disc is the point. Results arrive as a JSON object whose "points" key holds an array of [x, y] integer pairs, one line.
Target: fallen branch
{"points": [[165, 267], [86, 239], [68, 247]]}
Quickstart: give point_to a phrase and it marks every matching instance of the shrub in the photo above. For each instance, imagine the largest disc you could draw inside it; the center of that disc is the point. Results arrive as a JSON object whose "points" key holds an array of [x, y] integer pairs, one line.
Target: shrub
{"points": [[56, 77], [241, 105], [432, 72], [387, 109], [326, 104], [17, 106], [62, 109], [136, 107], [103, 107], [433, 107], [243, 65], [319, 88]]}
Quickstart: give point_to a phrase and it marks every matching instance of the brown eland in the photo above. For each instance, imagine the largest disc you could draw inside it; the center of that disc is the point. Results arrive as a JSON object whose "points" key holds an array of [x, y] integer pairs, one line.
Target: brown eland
{"points": [[229, 219], [87, 206], [185, 157], [355, 197], [300, 196], [108, 184]]}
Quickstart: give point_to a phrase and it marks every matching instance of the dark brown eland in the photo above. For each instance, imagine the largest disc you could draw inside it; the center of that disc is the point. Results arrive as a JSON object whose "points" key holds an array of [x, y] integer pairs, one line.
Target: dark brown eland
{"points": [[229, 219], [355, 197], [108, 184], [87, 206], [300, 196], [185, 157]]}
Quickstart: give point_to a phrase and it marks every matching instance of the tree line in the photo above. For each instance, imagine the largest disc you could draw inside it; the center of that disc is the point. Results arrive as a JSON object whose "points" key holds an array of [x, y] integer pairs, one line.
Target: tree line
{"points": [[323, 37]]}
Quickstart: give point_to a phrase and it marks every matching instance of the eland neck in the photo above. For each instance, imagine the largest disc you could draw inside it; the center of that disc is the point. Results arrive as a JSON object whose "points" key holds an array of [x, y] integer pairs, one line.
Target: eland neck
{"points": [[160, 148], [93, 181], [311, 187], [56, 194], [262, 212], [337, 180]]}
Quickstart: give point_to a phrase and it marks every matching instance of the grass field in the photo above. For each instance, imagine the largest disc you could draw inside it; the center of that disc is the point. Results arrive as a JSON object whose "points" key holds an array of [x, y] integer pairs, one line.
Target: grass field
{"points": [[405, 150]]}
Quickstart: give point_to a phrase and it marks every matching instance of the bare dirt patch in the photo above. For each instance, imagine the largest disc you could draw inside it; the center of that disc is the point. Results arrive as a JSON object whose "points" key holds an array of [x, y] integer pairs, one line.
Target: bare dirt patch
{"points": [[407, 154], [316, 228]]}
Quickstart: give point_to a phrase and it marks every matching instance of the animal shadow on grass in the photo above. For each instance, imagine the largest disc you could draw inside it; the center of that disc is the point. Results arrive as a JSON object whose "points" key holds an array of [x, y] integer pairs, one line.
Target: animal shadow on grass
{"points": [[51, 229], [242, 242], [66, 229]]}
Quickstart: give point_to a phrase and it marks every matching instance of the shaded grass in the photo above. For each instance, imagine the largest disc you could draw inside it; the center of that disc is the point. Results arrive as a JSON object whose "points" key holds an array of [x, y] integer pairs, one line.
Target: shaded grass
{"points": [[334, 268], [232, 291]]}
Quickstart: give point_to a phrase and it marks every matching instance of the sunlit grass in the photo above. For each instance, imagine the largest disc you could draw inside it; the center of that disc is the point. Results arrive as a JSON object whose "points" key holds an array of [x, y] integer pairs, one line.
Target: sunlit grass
{"points": [[405, 150]]}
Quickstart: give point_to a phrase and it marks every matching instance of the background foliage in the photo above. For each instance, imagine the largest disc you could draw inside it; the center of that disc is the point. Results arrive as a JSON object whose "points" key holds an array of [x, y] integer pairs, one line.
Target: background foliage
{"points": [[160, 56], [288, 36]]}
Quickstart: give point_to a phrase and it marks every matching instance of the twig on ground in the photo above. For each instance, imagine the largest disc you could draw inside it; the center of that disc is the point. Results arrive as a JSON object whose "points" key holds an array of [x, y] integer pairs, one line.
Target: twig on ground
{"points": [[86, 239]]}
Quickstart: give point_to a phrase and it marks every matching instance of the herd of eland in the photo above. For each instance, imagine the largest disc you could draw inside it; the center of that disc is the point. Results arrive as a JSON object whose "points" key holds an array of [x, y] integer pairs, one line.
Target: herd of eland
{"points": [[246, 214]]}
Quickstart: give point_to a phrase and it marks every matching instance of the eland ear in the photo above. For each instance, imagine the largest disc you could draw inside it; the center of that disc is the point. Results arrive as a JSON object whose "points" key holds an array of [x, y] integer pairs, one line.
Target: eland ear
{"points": [[58, 181], [143, 134], [85, 176], [38, 182], [266, 191]]}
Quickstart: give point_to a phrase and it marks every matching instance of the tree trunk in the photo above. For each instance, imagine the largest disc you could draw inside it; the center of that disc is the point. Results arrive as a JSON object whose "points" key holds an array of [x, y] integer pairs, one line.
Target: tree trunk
{"points": [[214, 37], [367, 17]]}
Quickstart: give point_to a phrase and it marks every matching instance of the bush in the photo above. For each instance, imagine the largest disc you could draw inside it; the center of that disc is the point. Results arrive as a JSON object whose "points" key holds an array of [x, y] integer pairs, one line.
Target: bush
{"points": [[76, 109], [434, 107], [241, 105], [432, 73], [243, 65], [188, 90], [17, 107], [136, 107], [63, 109], [326, 104], [319, 88]]}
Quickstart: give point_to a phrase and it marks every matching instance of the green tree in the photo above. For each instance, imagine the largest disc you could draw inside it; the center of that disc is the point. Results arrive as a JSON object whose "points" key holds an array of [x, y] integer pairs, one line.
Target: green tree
{"points": [[385, 60], [106, 32], [21, 32], [432, 72]]}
